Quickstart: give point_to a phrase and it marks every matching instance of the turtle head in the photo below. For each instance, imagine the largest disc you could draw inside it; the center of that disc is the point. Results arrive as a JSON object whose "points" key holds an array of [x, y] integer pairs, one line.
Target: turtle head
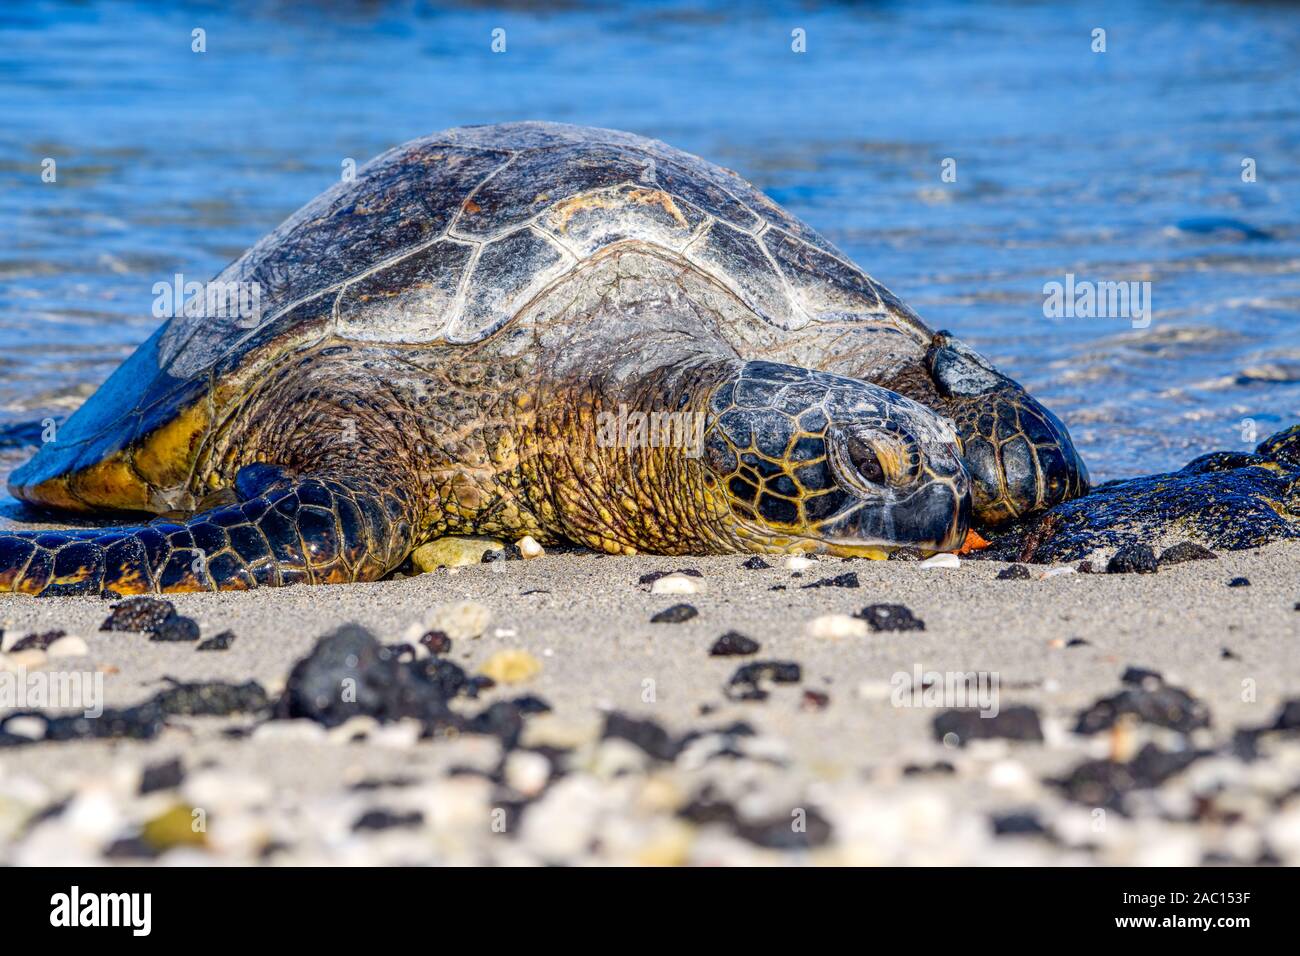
{"points": [[1019, 455], [810, 461]]}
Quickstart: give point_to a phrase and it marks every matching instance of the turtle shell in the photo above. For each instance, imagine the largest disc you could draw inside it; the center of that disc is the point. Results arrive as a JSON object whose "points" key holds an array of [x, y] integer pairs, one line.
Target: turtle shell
{"points": [[444, 240]]}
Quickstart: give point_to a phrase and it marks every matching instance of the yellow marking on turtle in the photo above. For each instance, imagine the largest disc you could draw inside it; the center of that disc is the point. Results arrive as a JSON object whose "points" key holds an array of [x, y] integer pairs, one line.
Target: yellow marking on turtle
{"points": [[164, 457], [564, 211], [111, 483]]}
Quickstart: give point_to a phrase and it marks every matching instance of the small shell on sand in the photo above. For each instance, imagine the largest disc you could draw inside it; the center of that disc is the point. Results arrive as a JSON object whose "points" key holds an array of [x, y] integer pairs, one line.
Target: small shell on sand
{"points": [[70, 646], [677, 584], [837, 625], [460, 621], [945, 559], [511, 667], [798, 563]]}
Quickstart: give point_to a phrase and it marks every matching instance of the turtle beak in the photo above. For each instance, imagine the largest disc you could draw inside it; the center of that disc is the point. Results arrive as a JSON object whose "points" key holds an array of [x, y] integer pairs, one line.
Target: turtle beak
{"points": [[1018, 454]]}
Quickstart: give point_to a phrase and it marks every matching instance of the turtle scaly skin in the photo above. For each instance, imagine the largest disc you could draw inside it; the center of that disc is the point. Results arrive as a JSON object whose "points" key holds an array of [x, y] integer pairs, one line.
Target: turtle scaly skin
{"points": [[445, 342]]}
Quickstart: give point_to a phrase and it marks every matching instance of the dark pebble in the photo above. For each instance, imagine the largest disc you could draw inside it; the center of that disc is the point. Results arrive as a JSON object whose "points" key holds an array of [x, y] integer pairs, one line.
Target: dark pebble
{"points": [[801, 829], [847, 580], [733, 644], [1141, 677], [37, 641], [654, 576], [1187, 551], [176, 628], [744, 683], [1288, 717], [939, 767], [1085, 567], [1076, 642], [1103, 783], [510, 552], [437, 642], [218, 642], [1239, 583], [1017, 572], [131, 848], [675, 614], [648, 735], [1228, 654], [138, 614], [1132, 559], [387, 820], [815, 700], [890, 617], [755, 564], [1018, 824], [349, 673], [167, 775], [1161, 705], [1010, 723]]}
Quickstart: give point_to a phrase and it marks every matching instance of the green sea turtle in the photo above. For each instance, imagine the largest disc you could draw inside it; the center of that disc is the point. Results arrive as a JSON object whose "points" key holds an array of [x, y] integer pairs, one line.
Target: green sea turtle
{"points": [[572, 333]]}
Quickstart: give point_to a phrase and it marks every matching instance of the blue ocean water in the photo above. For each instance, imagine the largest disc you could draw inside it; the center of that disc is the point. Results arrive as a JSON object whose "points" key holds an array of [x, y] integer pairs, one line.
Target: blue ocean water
{"points": [[1123, 165]]}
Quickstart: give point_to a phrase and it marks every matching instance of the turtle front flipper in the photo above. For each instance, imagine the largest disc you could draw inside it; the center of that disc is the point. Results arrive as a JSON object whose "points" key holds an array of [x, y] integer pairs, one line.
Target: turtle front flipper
{"points": [[309, 530]]}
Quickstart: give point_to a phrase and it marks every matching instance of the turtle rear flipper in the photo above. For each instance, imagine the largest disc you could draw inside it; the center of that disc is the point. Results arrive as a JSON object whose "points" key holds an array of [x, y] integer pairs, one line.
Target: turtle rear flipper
{"points": [[316, 530]]}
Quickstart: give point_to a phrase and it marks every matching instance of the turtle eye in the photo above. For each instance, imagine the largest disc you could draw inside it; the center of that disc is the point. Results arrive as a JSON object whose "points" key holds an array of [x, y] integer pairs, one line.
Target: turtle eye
{"points": [[856, 464], [865, 460]]}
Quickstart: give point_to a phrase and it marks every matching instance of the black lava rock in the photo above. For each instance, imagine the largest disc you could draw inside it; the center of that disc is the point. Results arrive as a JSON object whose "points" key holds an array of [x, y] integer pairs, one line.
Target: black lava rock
{"points": [[1161, 705], [1010, 723], [847, 580], [167, 775], [745, 682], [1017, 572], [1104, 783], [1239, 583], [218, 642], [437, 642], [1018, 824], [890, 617], [675, 614], [755, 564], [381, 819], [37, 641], [176, 628], [1132, 559], [1187, 551], [349, 673], [654, 576], [138, 614], [733, 644], [1141, 677], [510, 552], [648, 735]]}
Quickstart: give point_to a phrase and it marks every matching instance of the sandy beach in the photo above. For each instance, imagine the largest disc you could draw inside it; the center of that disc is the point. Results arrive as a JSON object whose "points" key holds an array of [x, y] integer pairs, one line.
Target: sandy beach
{"points": [[838, 766]]}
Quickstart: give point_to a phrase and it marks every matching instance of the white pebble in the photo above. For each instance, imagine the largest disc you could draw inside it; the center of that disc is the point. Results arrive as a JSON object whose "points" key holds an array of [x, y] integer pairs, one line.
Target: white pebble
{"points": [[837, 625], [32, 657], [1053, 572], [529, 547], [460, 621], [798, 562], [677, 584], [945, 559], [33, 728], [70, 646], [527, 772]]}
